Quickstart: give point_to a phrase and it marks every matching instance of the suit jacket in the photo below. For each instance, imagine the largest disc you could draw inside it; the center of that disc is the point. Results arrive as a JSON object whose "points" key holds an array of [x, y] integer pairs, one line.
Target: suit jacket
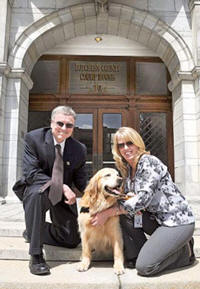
{"points": [[38, 160]]}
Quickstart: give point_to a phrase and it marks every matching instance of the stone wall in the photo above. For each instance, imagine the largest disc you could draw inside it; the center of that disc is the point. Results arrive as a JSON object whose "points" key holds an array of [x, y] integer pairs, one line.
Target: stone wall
{"points": [[175, 13], [162, 27]]}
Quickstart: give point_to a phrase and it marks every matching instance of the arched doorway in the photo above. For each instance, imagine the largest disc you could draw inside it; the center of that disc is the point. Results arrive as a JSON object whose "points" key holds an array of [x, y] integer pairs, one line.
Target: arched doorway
{"points": [[106, 93]]}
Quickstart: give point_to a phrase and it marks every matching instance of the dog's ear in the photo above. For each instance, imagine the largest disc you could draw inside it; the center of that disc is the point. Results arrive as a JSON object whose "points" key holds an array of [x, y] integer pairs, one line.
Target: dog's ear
{"points": [[91, 192], [94, 192]]}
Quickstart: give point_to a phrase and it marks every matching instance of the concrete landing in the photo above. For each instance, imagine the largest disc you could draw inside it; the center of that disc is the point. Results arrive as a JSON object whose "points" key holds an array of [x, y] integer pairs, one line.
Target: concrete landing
{"points": [[15, 275]]}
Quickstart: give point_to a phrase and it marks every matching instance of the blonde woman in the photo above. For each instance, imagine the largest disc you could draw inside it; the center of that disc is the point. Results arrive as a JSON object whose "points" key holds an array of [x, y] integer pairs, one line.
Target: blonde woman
{"points": [[155, 207]]}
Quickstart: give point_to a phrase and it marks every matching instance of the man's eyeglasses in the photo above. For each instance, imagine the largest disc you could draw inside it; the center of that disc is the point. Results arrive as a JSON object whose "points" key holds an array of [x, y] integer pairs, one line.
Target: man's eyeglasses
{"points": [[67, 125], [123, 144]]}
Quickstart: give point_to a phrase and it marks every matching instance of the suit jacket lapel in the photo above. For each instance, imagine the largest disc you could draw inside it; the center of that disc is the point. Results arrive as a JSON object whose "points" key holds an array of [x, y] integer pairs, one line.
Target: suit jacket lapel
{"points": [[50, 148], [68, 152]]}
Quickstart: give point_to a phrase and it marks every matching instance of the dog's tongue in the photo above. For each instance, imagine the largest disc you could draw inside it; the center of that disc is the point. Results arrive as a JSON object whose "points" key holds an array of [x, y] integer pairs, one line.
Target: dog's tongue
{"points": [[116, 191]]}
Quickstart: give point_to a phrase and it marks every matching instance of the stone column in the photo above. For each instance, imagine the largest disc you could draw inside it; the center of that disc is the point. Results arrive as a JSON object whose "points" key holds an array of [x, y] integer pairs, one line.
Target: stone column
{"points": [[186, 142], [16, 119], [196, 199], [195, 16], [4, 69], [3, 83]]}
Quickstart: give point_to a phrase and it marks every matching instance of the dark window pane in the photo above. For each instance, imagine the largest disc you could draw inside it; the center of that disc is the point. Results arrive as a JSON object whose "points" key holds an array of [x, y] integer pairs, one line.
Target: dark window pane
{"points": [[151, 78], [45, 76], [154, 134], [38, 119]]}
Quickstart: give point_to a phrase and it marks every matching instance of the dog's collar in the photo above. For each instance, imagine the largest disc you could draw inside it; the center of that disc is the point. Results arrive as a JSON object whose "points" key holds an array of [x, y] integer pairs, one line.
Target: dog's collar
{"points": [[84, 210]]}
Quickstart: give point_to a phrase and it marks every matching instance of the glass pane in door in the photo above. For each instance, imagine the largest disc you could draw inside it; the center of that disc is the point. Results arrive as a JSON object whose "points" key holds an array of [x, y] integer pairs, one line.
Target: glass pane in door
{"points": [[111, 122], [154, 133], [83, 132]]}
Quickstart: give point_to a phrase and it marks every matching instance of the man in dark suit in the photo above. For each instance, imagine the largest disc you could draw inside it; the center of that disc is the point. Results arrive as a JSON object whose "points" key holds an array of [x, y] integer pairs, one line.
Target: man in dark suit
{"points": [[39, 156]]}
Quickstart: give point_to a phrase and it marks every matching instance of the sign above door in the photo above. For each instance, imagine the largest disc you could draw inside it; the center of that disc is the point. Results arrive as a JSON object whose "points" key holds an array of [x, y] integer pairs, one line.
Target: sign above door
{"points": [[102, 78]]}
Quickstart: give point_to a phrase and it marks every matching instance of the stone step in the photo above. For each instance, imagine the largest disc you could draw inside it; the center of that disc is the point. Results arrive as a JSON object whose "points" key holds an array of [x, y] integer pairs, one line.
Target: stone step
{"points": [[11, 229], [16, 275], [15, 248], [16, 228]]}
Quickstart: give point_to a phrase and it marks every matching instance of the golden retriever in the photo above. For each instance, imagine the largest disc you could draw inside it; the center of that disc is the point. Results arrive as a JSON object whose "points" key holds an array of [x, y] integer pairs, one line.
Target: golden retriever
{"points": [[102, 192]]}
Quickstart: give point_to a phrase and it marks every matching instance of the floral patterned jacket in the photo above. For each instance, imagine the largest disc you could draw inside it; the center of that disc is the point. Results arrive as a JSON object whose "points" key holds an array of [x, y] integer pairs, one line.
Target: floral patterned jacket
{"points": [[155, 192]]}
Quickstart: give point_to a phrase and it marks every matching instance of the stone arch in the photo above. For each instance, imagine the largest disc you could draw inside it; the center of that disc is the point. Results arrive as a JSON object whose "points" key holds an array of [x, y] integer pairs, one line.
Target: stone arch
{"points": [[121, 20], [80, 20]]}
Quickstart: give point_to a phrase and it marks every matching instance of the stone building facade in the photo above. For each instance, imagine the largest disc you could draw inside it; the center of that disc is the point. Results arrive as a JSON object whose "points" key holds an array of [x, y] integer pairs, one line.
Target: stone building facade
{"points": [[167, 29]]}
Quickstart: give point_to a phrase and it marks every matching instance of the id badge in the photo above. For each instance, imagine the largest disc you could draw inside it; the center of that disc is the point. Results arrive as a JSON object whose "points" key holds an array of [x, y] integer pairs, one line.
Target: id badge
{"points": [[138, 221]]}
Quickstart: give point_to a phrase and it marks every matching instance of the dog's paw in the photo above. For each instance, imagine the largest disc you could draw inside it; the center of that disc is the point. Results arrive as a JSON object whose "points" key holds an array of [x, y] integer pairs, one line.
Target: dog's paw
{"points": [[119, 269], [83, 266]]}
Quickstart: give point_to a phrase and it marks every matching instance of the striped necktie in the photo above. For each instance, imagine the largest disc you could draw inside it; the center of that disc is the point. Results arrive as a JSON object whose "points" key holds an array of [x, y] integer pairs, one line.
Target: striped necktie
{"points": [[56, 189]]}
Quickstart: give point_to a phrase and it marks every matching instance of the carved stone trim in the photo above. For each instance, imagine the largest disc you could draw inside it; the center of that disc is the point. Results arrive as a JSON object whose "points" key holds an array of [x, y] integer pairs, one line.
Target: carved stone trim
{"points": [[184, 75], [23, 75], [4, 68], [193, 3], [11, 2], [101, 6]]}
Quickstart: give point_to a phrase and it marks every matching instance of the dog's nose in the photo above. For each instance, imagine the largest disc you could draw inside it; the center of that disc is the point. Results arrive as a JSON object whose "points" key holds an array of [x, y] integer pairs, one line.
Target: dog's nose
{"points": [[119, 180]]}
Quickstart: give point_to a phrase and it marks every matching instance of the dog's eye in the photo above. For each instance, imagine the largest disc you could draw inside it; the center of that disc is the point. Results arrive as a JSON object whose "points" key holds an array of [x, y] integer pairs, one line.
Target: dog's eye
{"points": [[108, 175]]}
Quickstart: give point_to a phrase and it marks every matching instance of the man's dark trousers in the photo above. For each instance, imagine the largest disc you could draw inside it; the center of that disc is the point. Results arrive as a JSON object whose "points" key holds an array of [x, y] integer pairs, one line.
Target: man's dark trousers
{"points": [[63, 231]]}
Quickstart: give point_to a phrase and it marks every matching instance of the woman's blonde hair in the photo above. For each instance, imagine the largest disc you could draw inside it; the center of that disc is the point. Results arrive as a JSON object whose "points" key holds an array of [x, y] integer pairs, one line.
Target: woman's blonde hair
{"points": [[128, 134]]}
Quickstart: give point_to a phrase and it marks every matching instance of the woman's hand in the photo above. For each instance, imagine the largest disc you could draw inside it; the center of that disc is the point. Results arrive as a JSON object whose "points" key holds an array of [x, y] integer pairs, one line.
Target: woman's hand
{"points": [[100, 218], [69, 195]]}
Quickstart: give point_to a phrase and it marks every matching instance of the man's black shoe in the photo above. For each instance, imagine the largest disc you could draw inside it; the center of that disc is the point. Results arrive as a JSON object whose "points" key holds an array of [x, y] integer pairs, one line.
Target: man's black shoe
{"points": [[38, 266], [24, 234]]}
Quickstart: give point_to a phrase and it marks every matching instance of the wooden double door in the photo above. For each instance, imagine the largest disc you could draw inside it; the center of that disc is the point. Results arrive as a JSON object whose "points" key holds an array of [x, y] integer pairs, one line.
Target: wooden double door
{"points": [[95, 128]]}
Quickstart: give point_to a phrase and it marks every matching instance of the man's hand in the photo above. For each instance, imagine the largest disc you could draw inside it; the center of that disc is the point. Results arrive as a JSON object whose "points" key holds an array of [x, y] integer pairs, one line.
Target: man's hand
{"points": [[69, 195]]}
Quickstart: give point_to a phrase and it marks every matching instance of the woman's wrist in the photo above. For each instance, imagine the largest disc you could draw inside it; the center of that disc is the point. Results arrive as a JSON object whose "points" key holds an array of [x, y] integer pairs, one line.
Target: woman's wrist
{"points": [[114, 211], [117, 210], [111, 212]]}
